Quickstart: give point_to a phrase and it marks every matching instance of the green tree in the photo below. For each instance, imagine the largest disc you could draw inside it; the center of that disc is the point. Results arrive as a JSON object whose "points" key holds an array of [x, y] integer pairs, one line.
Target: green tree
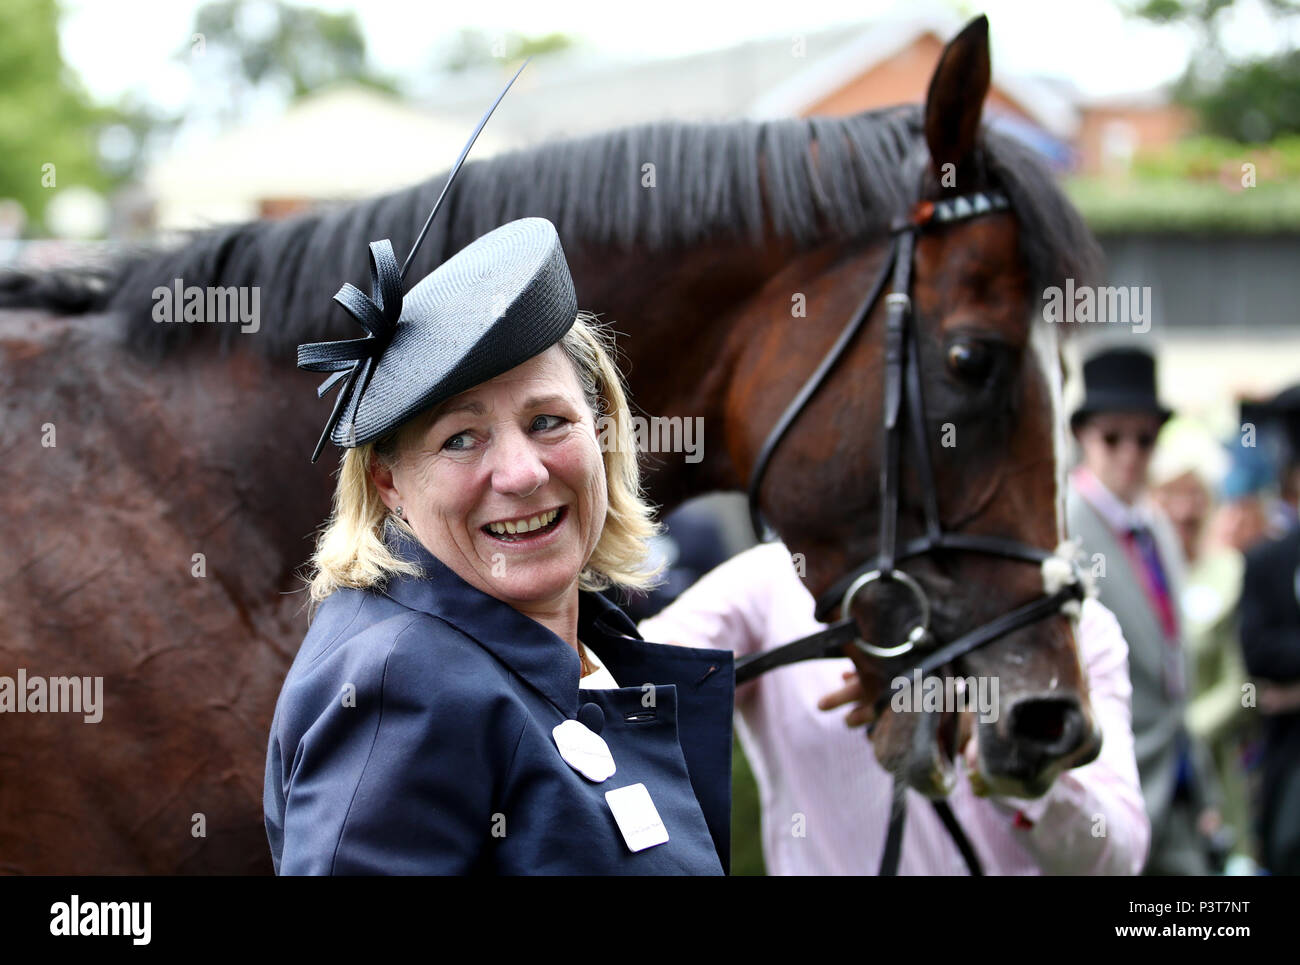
{"points": [[1257, 101], [48, 124], [1253, 100], [243, 48]]}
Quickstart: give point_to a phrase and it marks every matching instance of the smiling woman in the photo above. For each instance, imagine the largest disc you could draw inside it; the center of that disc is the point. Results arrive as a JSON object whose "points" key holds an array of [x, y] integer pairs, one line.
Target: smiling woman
{"points": [[478, 439], [456, 705]]}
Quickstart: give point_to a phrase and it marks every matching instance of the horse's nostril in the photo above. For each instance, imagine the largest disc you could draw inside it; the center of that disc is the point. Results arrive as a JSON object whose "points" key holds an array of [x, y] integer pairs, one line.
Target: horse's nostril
{"points": [[1054, 723]]}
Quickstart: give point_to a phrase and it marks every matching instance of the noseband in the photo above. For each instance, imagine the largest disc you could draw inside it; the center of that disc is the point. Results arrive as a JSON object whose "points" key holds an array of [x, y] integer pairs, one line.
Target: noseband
{"points": [[1063, 584]]}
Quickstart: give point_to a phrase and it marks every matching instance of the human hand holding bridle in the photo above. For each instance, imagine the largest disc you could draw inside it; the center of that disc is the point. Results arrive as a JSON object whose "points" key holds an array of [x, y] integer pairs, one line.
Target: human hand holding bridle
{"points": [[851, 692], [865, 712]]}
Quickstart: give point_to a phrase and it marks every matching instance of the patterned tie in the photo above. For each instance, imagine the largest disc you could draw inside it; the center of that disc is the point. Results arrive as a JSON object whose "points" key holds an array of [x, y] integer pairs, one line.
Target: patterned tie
{"points": [[1142, 543]]}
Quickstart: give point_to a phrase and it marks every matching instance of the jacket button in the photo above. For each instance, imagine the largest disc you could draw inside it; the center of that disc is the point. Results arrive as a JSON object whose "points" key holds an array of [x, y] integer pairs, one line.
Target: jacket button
{"points": [[592, 717]]}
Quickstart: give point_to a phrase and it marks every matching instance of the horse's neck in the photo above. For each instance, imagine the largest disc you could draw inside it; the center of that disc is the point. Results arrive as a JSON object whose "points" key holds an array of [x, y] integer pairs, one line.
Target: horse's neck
{"points": [[678, 316], [240, 437]]}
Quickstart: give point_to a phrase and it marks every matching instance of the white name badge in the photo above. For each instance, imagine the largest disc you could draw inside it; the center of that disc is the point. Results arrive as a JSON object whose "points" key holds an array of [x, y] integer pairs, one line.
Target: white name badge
{"points": [[636, 816], [584, 750]]}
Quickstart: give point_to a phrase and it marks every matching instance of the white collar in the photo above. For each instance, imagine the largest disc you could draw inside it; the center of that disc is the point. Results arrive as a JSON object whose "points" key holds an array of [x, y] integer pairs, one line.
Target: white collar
{"points": [[598, 679], [1118, 515]]}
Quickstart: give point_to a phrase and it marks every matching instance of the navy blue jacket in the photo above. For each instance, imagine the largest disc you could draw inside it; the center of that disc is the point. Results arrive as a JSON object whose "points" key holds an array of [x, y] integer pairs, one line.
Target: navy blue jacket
{"points": [[413, 736]]}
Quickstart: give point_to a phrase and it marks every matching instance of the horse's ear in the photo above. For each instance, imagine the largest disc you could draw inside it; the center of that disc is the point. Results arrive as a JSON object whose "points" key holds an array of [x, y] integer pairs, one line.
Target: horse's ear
{"points": [[956, 98]]}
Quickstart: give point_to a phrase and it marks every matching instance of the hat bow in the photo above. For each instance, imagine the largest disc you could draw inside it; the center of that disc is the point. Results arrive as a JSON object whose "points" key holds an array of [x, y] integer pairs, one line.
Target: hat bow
{"points": [[354, 359]]}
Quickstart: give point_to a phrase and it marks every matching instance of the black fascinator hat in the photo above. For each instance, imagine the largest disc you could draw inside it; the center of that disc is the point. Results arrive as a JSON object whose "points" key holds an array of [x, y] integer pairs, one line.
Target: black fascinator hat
{"points": [[496, 303]]}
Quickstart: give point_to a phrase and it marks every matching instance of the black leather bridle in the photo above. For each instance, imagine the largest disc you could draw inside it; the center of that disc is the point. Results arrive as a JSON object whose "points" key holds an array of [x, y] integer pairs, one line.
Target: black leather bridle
{"points": [[902, 384]]}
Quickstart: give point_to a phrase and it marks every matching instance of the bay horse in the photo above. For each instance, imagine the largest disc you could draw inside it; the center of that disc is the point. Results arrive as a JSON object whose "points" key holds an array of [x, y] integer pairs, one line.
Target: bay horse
{"points": [[159, 504]]}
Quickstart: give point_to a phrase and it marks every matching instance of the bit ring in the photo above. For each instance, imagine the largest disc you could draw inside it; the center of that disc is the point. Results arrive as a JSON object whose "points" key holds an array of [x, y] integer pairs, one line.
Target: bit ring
{"points": [[917, 634]]}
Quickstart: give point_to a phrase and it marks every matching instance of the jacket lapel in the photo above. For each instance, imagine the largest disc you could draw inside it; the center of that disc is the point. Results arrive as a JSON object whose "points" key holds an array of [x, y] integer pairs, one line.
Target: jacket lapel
{"points": [[544, 661]]}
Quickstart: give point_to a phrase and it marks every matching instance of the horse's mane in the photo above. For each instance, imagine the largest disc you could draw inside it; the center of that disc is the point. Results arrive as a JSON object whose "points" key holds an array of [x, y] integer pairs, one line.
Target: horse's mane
{"points": [[707, 178]]}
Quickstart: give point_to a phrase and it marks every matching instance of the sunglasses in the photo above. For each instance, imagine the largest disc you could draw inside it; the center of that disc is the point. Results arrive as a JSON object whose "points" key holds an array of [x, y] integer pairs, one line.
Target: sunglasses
{"points": [[1144, 440]]}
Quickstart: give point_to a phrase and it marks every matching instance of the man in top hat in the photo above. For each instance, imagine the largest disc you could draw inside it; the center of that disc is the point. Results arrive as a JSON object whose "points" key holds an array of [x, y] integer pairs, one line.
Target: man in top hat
{"points": [[1136, 558]]}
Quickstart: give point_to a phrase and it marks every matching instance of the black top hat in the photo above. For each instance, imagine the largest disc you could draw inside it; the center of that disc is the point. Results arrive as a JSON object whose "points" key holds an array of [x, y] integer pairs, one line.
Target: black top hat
{"points": [[1119, 380], [496, 303]]}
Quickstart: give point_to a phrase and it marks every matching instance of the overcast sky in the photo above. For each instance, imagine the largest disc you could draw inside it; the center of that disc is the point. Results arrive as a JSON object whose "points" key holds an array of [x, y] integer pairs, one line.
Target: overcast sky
{"points": [[127, 44]]}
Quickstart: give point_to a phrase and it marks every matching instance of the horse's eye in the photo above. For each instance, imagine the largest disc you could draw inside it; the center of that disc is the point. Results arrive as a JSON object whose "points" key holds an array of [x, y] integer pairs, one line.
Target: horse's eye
{"points": [[970, 360]]}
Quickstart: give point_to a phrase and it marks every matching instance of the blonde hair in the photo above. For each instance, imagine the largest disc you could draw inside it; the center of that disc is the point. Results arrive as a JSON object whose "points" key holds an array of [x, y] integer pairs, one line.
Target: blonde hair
{"points": [[351, 551]]}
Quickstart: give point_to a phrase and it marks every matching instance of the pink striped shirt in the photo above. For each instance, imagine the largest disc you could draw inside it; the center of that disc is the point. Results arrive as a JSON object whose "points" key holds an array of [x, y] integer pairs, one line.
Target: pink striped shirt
{"points": [[825, 798]]}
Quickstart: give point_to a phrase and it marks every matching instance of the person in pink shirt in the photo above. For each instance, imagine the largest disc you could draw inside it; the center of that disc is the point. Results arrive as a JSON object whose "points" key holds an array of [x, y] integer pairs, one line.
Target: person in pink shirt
{"points": [[824, 797]]}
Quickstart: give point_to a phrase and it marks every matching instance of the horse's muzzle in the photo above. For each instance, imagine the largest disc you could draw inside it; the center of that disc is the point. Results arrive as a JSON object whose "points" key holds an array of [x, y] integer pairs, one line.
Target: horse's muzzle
{"points": [[1042, 737]]}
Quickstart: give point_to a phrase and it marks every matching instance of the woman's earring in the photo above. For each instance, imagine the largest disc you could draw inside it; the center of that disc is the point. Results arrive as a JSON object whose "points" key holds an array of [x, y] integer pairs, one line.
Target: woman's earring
{"points": [[398, 511]]}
